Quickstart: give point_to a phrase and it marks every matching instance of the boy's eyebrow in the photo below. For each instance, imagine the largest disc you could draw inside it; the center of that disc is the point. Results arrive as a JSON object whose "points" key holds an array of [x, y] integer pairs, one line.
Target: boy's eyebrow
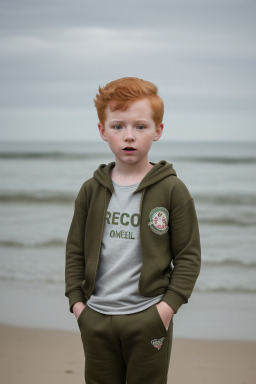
{"points": [[141, 121], [121, 121]]}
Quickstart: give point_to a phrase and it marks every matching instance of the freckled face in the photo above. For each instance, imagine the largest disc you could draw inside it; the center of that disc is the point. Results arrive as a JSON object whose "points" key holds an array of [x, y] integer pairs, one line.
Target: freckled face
{"points": [[130, 133]]}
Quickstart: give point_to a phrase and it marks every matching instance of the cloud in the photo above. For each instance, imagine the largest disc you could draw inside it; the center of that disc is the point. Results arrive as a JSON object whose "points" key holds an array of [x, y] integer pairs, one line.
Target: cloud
{"points": [[55, 54]]}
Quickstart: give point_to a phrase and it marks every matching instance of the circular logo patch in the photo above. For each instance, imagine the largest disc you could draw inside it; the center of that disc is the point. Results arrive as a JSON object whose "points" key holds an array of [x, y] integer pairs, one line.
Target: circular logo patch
{"points": [[158, 220]]}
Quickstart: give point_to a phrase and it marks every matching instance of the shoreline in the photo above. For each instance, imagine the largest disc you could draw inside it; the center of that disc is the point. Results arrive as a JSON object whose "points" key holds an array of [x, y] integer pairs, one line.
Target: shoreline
{"points": [[207, 316], [40, 355]]}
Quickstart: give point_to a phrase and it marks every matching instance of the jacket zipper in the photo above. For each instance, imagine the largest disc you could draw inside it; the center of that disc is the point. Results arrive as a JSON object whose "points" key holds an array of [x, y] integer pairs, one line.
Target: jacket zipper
{"points": [[140, 236], [101, 234]]}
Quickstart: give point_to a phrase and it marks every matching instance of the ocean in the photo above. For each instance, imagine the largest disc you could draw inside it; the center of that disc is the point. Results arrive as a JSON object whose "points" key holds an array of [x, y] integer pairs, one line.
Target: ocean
{"points": [[39, 182]]}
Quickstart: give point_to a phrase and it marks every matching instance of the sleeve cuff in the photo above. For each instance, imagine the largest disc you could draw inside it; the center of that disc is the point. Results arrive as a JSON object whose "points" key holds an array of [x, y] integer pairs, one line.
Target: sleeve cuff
{"points": [[74, 297], [174, 299]]}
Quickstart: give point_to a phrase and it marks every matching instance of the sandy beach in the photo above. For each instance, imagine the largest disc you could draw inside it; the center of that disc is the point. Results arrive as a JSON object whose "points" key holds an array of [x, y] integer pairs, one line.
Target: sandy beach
{"points": [[49, 356]]}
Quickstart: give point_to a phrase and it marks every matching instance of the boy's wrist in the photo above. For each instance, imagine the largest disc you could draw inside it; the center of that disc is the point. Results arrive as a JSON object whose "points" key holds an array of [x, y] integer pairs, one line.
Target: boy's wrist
{"points": [[77, 308], [166, 308], [75, 296]]}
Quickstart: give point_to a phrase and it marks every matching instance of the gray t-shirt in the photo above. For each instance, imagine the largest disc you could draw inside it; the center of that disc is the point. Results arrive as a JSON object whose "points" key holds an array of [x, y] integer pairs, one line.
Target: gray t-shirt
{"points": [[117, 283]]}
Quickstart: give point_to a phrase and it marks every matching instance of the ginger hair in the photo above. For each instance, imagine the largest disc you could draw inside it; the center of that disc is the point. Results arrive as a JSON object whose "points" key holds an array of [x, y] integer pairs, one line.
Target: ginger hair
{"points": [[119, 94]]}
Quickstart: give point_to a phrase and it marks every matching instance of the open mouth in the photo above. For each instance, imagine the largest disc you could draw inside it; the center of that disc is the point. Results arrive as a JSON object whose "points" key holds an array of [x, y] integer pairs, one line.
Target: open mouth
{"points": [[130, 149]]}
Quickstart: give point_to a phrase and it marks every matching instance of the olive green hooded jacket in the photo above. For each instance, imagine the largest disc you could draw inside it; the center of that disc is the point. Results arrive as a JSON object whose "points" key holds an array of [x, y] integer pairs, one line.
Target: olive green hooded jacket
{"points": [[169, 236]]}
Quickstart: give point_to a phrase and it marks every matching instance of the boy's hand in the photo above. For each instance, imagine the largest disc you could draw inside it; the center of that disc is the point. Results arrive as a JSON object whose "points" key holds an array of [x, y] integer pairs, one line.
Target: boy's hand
{"points": [[166, 312], [77, 308]]}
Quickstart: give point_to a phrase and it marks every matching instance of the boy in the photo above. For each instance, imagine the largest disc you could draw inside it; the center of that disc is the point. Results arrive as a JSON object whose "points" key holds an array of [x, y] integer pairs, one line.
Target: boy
{"points": [[133, 248]]}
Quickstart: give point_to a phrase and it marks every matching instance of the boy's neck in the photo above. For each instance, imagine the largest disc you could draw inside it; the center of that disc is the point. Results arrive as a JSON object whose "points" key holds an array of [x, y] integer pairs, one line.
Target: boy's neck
{"points": [[128, 174]]}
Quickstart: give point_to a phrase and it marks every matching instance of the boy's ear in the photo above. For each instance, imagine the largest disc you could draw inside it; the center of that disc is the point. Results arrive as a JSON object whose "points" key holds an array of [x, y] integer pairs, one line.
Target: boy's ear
{"points": [[102, 132], [159, 131]]}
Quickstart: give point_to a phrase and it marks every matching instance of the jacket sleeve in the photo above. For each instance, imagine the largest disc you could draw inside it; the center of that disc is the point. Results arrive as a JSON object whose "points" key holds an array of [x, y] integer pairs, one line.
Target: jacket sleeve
{"points": [[185, 247], [75, 262]]}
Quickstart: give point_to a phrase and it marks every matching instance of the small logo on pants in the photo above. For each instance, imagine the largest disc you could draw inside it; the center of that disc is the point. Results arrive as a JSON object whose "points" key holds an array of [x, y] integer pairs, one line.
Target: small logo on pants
{"points": [[157, 343]]}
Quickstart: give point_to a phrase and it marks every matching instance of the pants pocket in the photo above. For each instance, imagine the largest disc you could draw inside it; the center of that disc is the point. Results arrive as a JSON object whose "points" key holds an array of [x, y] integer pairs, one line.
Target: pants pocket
{"points": [[159, 319], [80, 317]]}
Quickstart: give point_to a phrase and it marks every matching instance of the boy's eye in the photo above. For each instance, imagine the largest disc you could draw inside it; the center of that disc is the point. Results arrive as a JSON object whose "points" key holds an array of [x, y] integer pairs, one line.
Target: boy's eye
{"points": [[117, 126], [140, 127]]}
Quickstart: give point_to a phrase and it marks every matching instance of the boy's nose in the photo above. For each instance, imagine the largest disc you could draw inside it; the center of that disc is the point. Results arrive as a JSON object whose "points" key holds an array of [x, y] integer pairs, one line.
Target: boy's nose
{"points": [[129, 135]]}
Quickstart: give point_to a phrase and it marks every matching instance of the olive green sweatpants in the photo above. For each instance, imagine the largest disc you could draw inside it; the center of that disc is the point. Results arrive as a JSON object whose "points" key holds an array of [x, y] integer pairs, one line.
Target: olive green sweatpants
{"points": [[131, 348]]}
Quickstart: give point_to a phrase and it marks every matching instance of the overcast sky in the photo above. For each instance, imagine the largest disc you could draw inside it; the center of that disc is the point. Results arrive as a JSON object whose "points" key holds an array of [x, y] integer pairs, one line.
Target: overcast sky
{"points": [[55, 53]]}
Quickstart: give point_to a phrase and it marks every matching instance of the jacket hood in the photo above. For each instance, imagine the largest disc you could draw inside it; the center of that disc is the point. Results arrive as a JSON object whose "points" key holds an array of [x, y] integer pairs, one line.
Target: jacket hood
{"points": [[102, 175], [160, 171]]}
